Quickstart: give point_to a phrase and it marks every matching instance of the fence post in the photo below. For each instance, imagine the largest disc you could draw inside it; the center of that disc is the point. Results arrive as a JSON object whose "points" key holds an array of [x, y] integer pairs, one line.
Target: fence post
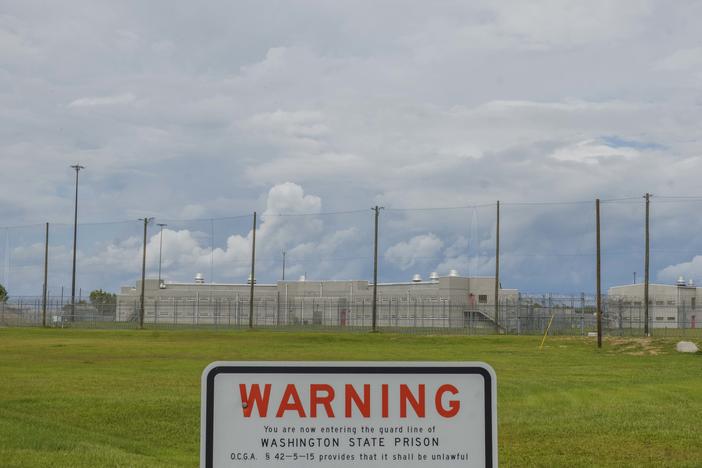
{"points": [[599, 278], [646, 266], [497, 269], [375, 269], [46, 274], [253, 272], [146, 220], [519, 315]]}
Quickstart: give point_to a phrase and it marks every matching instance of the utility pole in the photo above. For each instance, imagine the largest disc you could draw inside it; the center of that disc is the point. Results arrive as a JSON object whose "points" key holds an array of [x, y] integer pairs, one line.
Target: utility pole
{"points": [[497, 270], [143, 273], [160, 250], [211, 253], [46, 276], [253, 272], [646, 263], [284, 265], [599, 276], [77, 168], [375, 269]]}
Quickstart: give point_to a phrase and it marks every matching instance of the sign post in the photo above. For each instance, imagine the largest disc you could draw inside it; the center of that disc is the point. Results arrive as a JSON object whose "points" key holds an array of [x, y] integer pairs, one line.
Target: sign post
{"points": [[343, 414]]}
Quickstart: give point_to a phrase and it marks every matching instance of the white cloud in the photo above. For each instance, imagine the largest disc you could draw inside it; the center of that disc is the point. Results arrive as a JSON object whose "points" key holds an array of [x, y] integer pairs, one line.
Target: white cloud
{"points": [[192, 211], [569, 23], [689, 270], [592, 152], [682, 60], [311, 245], [289, 198], [406, 254], [199, 113], [103, 100], [299, 124], [13, 44]]}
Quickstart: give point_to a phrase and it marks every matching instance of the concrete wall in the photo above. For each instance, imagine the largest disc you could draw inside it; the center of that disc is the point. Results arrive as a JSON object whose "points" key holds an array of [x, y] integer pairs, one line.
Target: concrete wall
{"points": [[670, 306], [448, 302]]}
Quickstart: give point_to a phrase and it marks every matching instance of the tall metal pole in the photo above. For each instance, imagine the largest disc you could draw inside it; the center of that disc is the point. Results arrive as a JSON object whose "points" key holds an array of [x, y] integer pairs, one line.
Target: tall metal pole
{"points": [[77, 168], [253, 272], [46, 276], [497, 270], [599, 276], [143, 273], [211, 252], [646, 264], [160, 250], [284, 264], [375, 269]]}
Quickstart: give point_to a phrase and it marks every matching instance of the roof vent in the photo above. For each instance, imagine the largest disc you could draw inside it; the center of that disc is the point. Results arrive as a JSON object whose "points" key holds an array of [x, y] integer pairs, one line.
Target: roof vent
{"points": [[434, 276], [199, 279], [302, 278], [248, 280], [453, 273], [691, 283], [681, 281], [417, 278]]}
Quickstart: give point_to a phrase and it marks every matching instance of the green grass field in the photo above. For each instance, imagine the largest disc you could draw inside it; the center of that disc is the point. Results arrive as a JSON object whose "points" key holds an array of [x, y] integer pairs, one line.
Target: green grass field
{"points": [[131, 398]]}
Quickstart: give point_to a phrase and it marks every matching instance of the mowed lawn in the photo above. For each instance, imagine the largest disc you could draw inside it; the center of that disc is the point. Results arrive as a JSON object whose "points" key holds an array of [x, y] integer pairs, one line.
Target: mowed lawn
{"points": [[131, 398]]}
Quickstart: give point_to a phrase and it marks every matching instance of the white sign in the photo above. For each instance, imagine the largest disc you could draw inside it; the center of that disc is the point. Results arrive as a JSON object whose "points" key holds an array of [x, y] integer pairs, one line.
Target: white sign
{"points": [[333, 414]]}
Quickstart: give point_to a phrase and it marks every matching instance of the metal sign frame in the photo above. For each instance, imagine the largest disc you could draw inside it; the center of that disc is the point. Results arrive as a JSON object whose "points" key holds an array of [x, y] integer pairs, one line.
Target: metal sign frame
{"points": [[322, 368]]}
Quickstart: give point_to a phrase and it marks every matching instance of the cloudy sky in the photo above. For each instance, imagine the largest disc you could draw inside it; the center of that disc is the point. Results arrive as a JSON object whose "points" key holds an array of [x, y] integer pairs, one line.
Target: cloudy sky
{"points": [[189, 112]]}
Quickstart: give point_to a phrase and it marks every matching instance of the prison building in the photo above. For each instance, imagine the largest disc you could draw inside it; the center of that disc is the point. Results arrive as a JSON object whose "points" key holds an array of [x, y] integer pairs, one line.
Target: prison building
{"points": [[440, 301], [670, 305]]}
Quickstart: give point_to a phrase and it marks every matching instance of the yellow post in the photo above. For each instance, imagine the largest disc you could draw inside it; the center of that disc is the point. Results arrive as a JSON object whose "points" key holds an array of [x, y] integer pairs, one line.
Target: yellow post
{"points": [[547, 329]]}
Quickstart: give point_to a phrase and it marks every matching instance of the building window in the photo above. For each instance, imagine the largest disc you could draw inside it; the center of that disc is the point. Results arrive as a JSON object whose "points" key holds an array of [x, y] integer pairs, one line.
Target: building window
{"points": [[659, 303], [482, 298], [693, 303], [671, 318], [660, 318]]}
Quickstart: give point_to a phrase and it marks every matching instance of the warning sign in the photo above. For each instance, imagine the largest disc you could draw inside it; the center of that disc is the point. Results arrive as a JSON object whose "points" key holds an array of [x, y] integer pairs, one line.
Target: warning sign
{"points": [[330, 414]]}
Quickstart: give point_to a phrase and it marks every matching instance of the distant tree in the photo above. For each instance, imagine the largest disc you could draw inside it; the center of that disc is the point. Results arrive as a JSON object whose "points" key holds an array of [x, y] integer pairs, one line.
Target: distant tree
{"points": [[3, 293], [100, 297], [103, 301]]}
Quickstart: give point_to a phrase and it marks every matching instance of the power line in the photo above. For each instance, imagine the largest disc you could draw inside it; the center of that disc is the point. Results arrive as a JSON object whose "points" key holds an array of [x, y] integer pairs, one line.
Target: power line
{"points": [[614, 200], [547, 203], [635, 200], [323, 213], [441, 208]]}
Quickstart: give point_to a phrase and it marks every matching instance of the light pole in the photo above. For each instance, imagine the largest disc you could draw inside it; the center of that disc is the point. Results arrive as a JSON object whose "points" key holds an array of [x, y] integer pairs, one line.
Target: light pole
{"points": [[160, 249], [77, 168], [374, 310], [143, 273], [253, 271]]}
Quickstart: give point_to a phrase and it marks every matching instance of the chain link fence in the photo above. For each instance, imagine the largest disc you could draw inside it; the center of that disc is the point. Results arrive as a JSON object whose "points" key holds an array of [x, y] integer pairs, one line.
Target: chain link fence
{"points": [[535, 315], [543, 247]]}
